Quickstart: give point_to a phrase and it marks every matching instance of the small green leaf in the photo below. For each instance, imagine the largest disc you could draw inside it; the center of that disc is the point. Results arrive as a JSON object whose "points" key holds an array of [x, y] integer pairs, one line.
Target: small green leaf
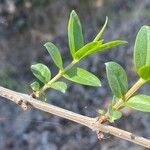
{"points": [[75, 35], [142, 48], [101, 111], [35, 86], [96, 47], [101, 31], [144, 72], [117, 79], [139, 102], [41, 72], [55, 54], [60, 86], [113, 114], [82, 76]]}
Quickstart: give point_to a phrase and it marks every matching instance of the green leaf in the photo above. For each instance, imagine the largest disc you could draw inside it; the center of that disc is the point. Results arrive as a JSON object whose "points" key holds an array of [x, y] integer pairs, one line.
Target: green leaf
{"points": [[35, 86], [139, 102], [41, 72], [60, 86], [101, 31], [55, 54], [82, 76], [88, 47], [95, 47], [113, 114], [117, 79], [75, 35], [144, 72], [101, 111], [142, 48]]}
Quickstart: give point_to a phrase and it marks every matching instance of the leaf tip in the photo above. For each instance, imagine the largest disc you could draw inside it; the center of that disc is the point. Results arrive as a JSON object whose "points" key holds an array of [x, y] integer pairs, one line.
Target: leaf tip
{"points": [[46, 44], [63, 91], [106, 64], [32, 67], [99, 84], [124, 42], [73, 13], [106, 19]]}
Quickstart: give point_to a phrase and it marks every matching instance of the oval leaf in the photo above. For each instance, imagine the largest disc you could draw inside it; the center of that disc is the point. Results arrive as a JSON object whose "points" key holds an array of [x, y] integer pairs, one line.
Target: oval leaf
{"points": [[144, 72], [95, 47], [101, 111], [101, 31], [60, 86], [117, 79], [41, 72], [55, 54], [142, 48], [82, 76], [75, 35], [35, 86], [113, 114], [139, 102]]}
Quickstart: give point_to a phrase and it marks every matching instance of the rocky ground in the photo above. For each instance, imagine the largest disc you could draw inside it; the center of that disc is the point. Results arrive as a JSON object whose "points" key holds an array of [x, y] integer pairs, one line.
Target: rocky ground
{"points": [[24, 27]]}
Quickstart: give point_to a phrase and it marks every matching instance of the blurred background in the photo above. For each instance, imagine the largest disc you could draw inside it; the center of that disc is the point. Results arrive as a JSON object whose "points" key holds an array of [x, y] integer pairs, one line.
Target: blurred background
{"points": [[25, 25]]}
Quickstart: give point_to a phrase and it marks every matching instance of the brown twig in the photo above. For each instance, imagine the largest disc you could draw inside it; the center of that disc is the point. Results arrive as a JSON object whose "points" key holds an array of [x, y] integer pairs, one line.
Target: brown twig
{"points": [[24, 101]]}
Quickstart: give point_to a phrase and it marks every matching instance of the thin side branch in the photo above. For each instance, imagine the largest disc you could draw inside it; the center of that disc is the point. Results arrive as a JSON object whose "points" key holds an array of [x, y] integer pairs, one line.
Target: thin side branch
{"points": [[25, 101], [121, 101]]}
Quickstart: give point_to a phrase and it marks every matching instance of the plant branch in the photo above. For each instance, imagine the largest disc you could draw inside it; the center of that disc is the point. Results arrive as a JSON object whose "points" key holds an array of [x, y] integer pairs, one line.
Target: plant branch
{"points": [[25, 101], [55, 78], [121, 101], [132, 90]]}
